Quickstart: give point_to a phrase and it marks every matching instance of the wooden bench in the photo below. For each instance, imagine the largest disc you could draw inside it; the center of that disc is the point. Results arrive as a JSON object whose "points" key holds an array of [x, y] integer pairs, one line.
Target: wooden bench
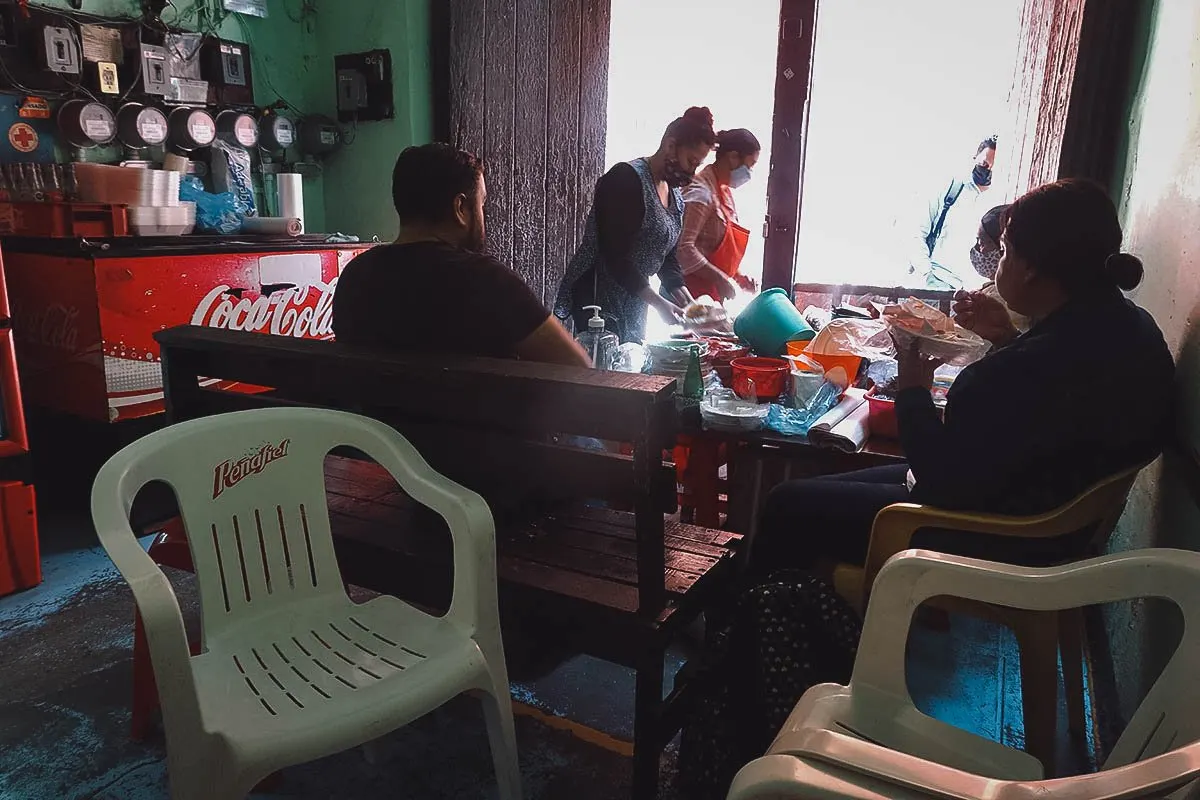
{"points": [[618, 579]]}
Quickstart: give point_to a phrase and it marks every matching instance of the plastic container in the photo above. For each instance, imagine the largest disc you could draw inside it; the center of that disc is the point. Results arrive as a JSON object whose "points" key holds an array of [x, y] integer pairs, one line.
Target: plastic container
{"points": [[828, 360], [798, 347], [770, 322], [600, 345], [723, 411], [881, 416], [763, 379], [126, 186], [162, 221], [20, 567]]}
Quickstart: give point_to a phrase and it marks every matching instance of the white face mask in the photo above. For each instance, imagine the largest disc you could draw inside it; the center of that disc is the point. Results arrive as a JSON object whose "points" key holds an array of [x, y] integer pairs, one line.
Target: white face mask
{"points": [[740, 177]]}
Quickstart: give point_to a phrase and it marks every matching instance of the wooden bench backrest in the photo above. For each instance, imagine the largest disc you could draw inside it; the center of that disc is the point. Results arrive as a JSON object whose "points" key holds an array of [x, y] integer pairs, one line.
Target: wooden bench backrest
{"points": [[485, 423]]}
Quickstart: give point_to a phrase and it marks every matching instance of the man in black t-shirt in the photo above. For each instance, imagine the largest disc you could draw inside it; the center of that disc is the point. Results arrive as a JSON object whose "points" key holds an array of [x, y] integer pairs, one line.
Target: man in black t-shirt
{"points": [[434, 290]]}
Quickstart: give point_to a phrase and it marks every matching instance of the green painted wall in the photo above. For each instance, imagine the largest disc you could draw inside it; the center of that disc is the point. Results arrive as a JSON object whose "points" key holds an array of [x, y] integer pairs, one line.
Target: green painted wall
{"points": [[358, 178], [1160, 200]]}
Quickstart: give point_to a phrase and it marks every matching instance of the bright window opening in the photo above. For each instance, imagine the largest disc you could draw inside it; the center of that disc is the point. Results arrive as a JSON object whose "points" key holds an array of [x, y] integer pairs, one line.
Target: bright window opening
{"points": [[902, 95], [666, 56]]}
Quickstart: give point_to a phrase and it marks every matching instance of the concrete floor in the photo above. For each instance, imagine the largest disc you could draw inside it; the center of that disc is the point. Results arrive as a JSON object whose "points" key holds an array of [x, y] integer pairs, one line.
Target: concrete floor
{"points": [[65, 646]]}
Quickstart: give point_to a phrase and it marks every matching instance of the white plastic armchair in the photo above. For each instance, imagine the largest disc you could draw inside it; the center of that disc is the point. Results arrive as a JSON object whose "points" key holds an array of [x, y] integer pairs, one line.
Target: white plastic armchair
{"points": [[868, 742], [291, 669]]}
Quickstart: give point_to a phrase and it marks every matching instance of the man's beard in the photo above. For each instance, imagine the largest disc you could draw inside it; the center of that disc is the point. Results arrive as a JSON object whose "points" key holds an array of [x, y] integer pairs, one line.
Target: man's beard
{"points": [[475, 241]]}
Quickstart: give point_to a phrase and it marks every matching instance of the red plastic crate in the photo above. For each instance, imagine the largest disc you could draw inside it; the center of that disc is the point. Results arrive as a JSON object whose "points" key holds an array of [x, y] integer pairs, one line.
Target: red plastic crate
{"points": [[20, 560], [62, 220]]}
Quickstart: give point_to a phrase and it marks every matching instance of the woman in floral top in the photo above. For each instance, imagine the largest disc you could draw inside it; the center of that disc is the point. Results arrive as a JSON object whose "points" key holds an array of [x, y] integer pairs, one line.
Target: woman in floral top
{"points": [[713, 242]]}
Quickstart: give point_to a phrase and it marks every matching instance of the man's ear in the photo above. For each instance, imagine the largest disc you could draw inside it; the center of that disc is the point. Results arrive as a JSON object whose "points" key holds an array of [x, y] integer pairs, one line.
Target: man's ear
{"points": [[462, 210]]}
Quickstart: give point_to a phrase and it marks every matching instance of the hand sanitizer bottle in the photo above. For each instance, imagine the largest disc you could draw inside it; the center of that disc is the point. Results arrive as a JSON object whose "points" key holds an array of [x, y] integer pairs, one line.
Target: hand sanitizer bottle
{"points": [[601, 346]]}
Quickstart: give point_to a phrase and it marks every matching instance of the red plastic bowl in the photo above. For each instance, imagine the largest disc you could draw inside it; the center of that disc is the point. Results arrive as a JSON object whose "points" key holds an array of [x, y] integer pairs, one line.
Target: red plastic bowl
{"points": [[768, 377]]}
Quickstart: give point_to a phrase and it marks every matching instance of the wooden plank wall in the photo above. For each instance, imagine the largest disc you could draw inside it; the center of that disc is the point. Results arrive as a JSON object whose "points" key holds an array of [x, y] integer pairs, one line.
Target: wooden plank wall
{"points": [[789, 140], [1040, 96], [528, 84]]}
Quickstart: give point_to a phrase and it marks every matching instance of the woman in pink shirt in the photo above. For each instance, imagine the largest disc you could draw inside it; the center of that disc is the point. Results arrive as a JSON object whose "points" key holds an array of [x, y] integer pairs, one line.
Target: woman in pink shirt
{"points": [[713, 242]]}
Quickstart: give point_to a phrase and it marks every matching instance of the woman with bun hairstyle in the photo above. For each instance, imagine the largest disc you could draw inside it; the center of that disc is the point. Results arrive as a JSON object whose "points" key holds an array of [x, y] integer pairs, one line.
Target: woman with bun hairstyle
{"points": [[713, 241], [632, 234], [1085, 393]]}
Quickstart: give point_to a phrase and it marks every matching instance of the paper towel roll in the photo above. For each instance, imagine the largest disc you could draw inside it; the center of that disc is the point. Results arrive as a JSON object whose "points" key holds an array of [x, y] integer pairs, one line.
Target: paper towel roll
{"points": [[290, 186], [273, 226]]}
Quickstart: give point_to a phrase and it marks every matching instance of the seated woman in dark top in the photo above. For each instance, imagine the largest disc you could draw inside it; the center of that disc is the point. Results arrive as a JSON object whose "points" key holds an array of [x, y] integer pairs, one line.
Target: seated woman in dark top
{"points": [[1084, 394]]}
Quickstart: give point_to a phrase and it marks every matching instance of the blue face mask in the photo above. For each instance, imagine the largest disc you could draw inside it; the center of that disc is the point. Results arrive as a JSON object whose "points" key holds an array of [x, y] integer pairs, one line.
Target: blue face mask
{"points": [[740, 177]]}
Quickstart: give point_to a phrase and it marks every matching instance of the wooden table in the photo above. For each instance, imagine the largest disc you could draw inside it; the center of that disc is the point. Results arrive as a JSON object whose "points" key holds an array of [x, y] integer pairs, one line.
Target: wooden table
{"points": [[757, 462]]}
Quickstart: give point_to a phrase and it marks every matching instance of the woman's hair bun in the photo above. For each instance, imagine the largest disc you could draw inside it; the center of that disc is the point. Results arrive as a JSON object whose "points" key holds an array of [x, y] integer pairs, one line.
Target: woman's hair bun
{"points": [[1125, 270], [699, 115]]}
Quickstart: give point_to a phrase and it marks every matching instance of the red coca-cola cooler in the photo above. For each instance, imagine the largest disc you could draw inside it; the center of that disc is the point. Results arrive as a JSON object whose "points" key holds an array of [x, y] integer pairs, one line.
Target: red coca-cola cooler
{"points": [[20, 565], [85, 311]]}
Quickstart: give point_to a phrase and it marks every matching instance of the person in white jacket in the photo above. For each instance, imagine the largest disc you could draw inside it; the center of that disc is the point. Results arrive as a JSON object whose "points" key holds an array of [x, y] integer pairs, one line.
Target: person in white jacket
{"points": [[947, 224]]}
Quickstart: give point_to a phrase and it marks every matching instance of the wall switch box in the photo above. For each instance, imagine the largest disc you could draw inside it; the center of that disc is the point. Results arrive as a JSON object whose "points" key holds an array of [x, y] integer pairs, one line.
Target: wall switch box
{"points": [[156, 73], [364, 86], [59, 53], [226, 67]]}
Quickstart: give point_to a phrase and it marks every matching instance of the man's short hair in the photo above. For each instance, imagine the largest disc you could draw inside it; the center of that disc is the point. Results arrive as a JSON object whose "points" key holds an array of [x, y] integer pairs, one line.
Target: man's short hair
{"points": [[987, 144], [428, 177]]}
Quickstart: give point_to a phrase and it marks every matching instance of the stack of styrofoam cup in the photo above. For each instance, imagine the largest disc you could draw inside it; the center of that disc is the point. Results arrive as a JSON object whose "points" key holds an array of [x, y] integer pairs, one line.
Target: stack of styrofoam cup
{"points": [[151, 194]]}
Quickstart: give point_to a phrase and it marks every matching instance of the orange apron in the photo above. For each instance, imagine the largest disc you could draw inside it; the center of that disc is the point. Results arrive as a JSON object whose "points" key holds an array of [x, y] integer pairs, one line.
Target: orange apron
{"points": [[727, 257]]}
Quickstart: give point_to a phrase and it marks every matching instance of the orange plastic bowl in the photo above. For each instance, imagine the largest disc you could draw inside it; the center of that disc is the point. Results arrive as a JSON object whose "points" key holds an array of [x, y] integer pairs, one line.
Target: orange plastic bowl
{"points": [[849, 363]]}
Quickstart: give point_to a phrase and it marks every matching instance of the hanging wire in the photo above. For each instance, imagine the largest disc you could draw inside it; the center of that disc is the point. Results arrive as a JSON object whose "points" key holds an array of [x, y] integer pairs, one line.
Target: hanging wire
{"points": [[262, 68]]}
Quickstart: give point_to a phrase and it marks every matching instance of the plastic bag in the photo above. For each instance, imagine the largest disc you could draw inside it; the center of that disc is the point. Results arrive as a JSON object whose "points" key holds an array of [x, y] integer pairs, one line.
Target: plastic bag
{"points": [[706, 316], [631, 357], [938, 336], [231, 173], [867, 338], [808, 376], [215, 213], [797, 421], [722, 410]]}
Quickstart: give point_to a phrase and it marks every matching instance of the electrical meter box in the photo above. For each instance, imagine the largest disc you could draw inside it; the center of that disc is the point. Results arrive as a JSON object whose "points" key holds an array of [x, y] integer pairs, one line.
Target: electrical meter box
{"points": [[364, 86], [226, 67]]}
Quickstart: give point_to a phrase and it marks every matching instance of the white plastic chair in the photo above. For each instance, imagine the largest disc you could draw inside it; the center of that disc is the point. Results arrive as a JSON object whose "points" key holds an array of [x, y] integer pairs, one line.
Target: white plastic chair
{"points": [[290, 669], [867, 741]]}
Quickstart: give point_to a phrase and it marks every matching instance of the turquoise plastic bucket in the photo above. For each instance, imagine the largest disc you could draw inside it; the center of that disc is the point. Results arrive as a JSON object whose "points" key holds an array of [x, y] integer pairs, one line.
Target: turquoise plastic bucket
{"points": [[770, 322]]}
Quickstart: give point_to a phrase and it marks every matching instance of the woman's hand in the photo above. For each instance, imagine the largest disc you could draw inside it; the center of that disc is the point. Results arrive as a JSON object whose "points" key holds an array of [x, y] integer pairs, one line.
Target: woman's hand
{"points": [[914, 369], [670, 312], [746, 282], [985, 316], [726, 287]]}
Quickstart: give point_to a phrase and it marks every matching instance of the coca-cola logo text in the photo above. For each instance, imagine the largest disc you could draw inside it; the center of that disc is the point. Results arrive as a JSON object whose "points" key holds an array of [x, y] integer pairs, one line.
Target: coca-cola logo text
{"points": [[229, 473], [49, 326], [305, 312]]}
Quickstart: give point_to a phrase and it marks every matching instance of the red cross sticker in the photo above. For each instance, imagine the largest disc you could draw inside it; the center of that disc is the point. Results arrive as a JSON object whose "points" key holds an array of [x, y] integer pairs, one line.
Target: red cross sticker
{"points": [[23, 138]]}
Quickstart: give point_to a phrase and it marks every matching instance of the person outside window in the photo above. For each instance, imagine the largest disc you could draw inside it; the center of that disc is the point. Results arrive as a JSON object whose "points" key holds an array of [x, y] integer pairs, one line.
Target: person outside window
{"points": [[945, 229]]}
